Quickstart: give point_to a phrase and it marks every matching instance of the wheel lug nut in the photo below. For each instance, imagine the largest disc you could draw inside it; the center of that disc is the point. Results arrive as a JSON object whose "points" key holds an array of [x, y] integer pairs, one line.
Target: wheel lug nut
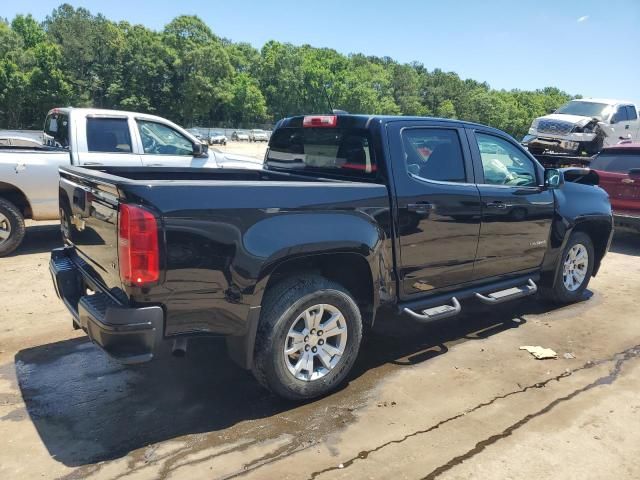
{"points": [[306, 338], [320, 342], [314, 349], [306, 348], [313, 330], [320, 333]]}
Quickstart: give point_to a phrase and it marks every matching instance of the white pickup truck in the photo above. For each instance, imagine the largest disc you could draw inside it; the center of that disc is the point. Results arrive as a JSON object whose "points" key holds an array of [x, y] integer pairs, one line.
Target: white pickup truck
{"points": [[584, 127], [87, 136]]}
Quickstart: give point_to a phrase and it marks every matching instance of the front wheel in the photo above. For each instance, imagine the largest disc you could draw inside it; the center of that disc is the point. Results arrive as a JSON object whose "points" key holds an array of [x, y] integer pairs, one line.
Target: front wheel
{"points": [[12, 228], [574, 272], [308, 339]]}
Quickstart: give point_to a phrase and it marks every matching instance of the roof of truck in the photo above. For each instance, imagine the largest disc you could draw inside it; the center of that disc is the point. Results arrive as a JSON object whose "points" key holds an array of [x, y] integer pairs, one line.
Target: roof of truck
{"points": [[608, 101], [362, 121]]}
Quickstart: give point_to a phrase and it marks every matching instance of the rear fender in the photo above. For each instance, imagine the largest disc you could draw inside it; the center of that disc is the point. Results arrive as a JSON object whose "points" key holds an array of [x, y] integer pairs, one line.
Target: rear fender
{"points": [[301, 242], [291, 237]]}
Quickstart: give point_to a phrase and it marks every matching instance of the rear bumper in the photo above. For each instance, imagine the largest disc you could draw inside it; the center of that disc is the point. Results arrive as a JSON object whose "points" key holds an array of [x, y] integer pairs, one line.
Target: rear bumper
{"points": [[129, 334], [627, 220]]}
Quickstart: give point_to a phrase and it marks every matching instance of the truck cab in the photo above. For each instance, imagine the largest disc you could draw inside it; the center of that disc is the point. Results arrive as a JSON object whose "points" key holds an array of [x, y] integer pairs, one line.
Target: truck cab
{"points": [[92, 137], [101, 137]]}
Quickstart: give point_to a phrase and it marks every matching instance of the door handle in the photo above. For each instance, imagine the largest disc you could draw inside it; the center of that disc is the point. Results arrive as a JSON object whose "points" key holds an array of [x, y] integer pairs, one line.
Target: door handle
{"points": [[496, 204], [92, 163], [626, 127], [420, 207], [628, 180]]}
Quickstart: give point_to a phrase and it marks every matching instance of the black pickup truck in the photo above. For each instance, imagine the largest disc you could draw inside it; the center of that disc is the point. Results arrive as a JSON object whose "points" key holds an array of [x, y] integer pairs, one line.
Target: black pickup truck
{"points": [[350, 215]]}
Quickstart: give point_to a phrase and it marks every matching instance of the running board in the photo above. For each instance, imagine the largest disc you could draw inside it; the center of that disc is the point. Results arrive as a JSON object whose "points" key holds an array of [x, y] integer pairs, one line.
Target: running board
{"points": [[439, 312], [509, 294]]}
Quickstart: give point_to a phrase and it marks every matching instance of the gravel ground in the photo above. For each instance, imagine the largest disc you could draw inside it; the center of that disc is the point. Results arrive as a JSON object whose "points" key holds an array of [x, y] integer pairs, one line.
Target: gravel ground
{"points": [[456, 400]]}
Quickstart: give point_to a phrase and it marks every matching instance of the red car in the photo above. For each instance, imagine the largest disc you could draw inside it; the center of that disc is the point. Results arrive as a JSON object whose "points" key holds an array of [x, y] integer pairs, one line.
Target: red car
{"points": [[619, 170]]}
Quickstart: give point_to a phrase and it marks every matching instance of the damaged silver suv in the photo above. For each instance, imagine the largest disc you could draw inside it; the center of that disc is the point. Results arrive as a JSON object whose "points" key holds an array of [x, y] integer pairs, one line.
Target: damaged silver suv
{"points": [[584, 127]]}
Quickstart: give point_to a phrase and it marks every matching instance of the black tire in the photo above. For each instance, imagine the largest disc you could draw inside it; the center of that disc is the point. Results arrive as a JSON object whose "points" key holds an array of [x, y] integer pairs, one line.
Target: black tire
{"points": [[559, 293], [15, 222], [282, 306]]}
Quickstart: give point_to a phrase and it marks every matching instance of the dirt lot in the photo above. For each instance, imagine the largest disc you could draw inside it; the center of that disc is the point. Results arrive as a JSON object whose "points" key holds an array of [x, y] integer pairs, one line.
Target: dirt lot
{"points": [[456, 400], [251, 149]]}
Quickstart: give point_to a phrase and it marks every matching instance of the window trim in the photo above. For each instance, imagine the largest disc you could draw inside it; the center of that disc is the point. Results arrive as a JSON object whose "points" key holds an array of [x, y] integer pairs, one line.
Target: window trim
{"points": [[96, 117], [479, 167], [137, 121], [466, 162]]}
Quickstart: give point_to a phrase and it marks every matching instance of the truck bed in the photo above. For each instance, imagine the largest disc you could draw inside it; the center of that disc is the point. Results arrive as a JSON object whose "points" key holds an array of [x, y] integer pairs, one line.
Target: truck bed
{"points": [[219, 232]]}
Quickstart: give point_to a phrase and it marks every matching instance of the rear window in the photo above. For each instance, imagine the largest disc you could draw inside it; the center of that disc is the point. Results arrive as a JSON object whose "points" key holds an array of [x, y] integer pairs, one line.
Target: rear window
{"points": [[343, 151], [56, 130], [616, 162]]}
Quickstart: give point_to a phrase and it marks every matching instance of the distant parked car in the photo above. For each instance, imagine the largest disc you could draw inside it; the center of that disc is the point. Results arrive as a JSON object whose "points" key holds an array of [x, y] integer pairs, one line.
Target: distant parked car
{"points": [[240, 136], [217, 138], [196, 133], [618, 169], [257, 135], [16, 141]]}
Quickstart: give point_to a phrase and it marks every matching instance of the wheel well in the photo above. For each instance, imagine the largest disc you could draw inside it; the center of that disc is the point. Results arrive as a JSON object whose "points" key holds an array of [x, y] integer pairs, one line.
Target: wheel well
{"points": [[15, 196], [350, 270], [599, 233]]}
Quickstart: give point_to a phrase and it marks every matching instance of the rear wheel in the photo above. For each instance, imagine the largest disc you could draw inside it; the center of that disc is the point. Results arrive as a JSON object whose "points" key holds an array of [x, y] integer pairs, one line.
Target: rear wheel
{"points": [[11, 227], [308, 338], [574, 271]]}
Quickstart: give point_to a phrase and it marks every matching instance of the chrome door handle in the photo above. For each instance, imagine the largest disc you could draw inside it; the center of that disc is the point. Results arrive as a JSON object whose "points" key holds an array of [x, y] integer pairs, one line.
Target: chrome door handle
{"points": [[497, 205], [420, 207]]}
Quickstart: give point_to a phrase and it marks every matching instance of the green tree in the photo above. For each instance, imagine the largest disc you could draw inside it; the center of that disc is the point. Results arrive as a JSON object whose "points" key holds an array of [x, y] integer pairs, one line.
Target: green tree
{"points": [[29, 29], [187, 73]]}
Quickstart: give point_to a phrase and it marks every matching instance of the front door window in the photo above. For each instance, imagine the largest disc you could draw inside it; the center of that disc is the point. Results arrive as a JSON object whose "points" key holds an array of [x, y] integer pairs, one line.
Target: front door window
{"points": [[159, 139]]}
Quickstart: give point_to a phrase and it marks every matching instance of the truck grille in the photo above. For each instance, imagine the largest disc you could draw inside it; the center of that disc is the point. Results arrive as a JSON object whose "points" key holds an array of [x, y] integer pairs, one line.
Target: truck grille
{"points": [[554, 127]]}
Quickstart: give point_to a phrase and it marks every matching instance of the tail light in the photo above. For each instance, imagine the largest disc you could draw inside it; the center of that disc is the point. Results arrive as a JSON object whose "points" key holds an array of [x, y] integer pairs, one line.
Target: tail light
{"points": [[138, 255], [320, 121]]}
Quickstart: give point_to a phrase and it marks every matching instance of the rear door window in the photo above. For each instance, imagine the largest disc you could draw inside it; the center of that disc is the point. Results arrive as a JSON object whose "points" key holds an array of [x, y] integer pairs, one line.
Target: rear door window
{"points": [[344, 151], [108, 135], [434, 154], [616, 162]]}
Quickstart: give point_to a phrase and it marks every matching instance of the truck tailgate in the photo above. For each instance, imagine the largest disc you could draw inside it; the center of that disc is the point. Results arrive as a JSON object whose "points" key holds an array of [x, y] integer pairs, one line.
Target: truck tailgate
{"points": [[89, 218]]}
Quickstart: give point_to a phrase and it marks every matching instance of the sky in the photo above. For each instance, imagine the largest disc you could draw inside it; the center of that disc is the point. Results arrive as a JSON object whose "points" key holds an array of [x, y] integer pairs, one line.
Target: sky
{"points": [[586, 47]]}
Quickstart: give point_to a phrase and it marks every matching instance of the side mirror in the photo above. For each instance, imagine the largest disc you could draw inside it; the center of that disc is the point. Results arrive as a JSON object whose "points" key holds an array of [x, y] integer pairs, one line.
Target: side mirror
{"points": [[552, 178], [635, 173], [550, 111], [200, 149], [614, 119]]}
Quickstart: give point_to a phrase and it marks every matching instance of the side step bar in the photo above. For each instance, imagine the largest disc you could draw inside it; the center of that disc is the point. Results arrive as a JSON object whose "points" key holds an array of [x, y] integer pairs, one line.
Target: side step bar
{"points": [[509, 294], [436, 313], [443, 310]]}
